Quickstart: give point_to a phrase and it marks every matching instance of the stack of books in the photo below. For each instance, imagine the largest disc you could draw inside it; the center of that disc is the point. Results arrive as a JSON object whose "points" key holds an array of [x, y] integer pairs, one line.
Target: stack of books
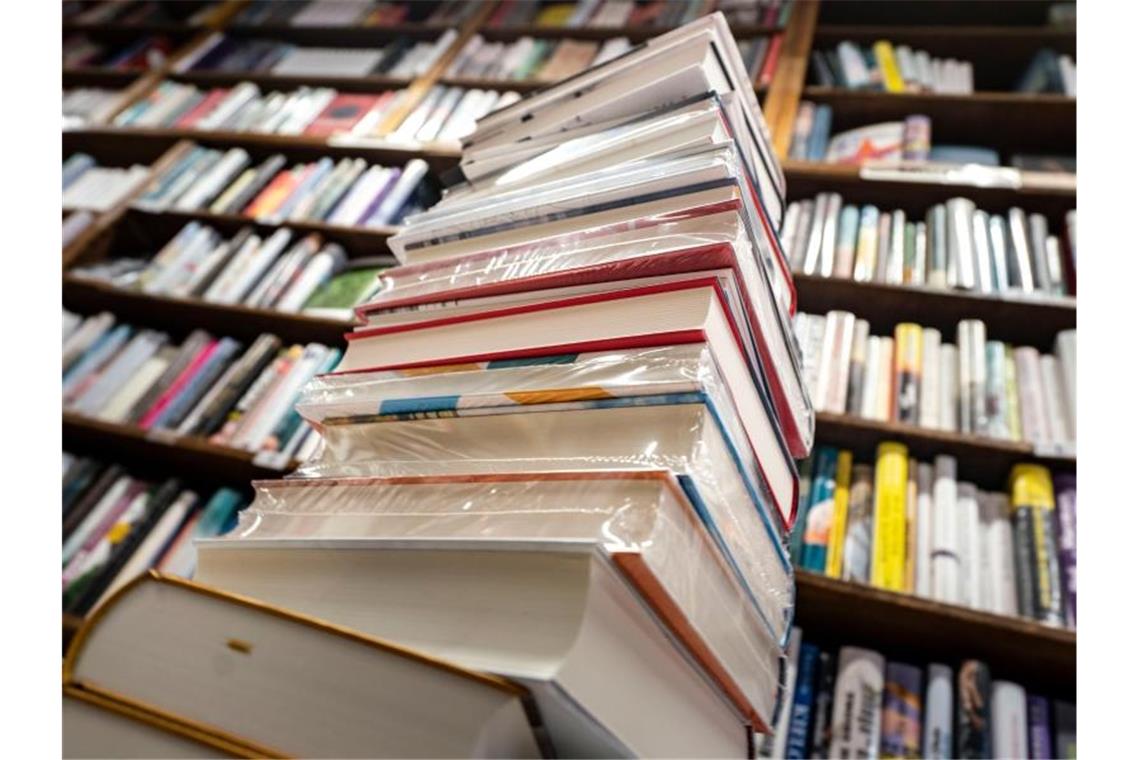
{"points": [[854, 702], [559, 450]]}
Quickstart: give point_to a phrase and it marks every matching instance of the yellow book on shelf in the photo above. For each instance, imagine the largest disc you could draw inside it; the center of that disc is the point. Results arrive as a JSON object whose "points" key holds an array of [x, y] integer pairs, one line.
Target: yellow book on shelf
{"points": [[888, 550], [834, 567], [911, 526], [888, 67], [555, 15]]}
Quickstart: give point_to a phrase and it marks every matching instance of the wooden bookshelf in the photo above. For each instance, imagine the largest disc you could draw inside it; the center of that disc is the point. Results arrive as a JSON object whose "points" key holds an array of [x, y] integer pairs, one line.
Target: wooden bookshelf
{"points": [[921, 630], [268, 81], [982, 460], [834, 612], [1029, 320]]}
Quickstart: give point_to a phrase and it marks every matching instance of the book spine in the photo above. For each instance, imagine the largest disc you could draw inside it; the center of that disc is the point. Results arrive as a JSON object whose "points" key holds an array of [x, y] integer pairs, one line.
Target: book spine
{"points": [[868, 244], [911, 526], [902, 712], [1039, 581], [929, 390], [960, 244], [829, 234], [923, 529], [1040, 740], [885, 397], [857, 367], [856, 716], [936, 246], [869, 398], [1031, 403], [836, 538], [997, 416], [1020, 264], [973, 711], [999, 538], [802, 703], [971, 376], [888, 67], [774, 745], [888, 561], [860, 525], [938, 713], [983, 256], [896, 260], [1010, 720], [817, 528], [946, 563], [1012, 401], [883, 249], [824, 695], [948, 388], [999, 248], [969, 544], [918, 276], [1066, 486], [907, 371], [835, 364]]}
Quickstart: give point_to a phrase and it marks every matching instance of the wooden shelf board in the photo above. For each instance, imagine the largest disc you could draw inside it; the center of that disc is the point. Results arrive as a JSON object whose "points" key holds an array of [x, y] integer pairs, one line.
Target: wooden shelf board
{"points": [[98, 76], [338, 36], [904, 626], [983, 33], [1021, 321], [372, 83], [180, 315], [188, 456], [981, 460], [923, 101]]}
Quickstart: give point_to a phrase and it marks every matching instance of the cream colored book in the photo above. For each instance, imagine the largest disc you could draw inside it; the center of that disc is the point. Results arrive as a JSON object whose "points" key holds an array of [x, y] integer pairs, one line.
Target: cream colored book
{"points": [[290, 683], [884, 397], [643, 520]]}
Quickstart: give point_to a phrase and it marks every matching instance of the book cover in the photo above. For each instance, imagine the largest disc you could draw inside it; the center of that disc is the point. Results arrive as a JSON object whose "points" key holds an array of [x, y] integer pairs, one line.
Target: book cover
{"points": [[938, 713], [1065, 485], [837, 537], [824, 696], [1040, 738], [973, 711], [856, 716], [888, 66], [817, 530], [908, 371], [946, 560], [860, 525], [888, 560], [803, 702], [1035, 544], [1010, 722], [902, 712], [1065, 729]]}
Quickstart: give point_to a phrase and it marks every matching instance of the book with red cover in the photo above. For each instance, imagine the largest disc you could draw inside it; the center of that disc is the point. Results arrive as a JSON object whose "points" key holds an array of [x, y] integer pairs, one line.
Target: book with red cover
{"points": [[771, 58], [208, 104], [559, 325], [178, 385], [273, 195], [342, 114]]}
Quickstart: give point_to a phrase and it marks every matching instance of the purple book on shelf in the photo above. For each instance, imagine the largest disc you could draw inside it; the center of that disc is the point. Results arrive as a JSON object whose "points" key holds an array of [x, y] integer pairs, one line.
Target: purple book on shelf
{"points": [[1040, 737], [1066, 488], [393, 176]]}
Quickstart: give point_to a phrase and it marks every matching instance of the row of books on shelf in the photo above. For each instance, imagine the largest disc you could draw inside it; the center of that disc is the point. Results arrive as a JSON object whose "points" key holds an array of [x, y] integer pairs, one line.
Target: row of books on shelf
{"points": [[86, 185], [908, 140], [317, 111], [914, 528], [528, 58], [138, 12], [118, 524], [446, 115], [655, 14], [83, 106], [348, 192], [149, 52], [854, 702], [979, 386], [279, 271], [954, 245], [401, 57], [890, 68], [365, 13], [203, 386], [75, 223], [1050, 72]]}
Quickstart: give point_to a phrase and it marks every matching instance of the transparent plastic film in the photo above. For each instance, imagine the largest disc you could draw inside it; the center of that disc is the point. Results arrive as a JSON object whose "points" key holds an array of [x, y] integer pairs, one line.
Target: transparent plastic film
{"points": [[641, 518], [638, 247], [633, 376], [683, 435]]}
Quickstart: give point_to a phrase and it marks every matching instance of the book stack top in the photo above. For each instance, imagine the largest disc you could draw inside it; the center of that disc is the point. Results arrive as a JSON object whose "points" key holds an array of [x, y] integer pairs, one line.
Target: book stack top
{"points": [[559, 447]]}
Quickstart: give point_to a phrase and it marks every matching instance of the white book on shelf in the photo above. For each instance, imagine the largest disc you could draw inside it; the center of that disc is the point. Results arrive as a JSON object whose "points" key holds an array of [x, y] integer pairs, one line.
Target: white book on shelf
{"points": [[946, 570], [856, 723], [930, 389], [968, 523], [1009, 718], [938, 713], [924, 530]]}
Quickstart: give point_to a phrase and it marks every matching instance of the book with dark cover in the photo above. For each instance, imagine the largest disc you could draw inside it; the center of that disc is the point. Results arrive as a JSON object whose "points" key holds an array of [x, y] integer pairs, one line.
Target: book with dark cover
{"points": [[902, 712], [255, 359], [87, 590], [972, 738], [1064, 730], [1040, 740], [803, 699], [821, 70], [81, 475], [198, 385], [186, 353], [1035, 544], [824, 696], [90, 498], [1066, 488], [218, 265]]}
